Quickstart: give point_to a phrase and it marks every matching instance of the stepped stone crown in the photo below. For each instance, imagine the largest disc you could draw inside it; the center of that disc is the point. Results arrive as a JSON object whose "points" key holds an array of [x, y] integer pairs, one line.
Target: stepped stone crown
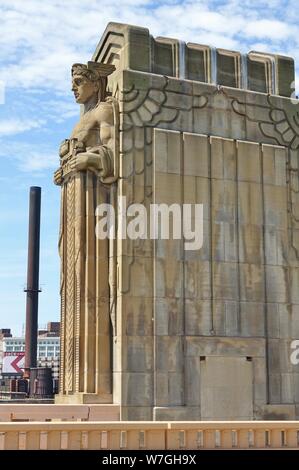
{"points": [[256, 71]]}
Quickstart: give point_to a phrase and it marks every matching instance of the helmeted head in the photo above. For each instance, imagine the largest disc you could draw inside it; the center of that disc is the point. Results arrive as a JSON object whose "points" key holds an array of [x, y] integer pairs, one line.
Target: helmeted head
{"points": [[90, 80]]}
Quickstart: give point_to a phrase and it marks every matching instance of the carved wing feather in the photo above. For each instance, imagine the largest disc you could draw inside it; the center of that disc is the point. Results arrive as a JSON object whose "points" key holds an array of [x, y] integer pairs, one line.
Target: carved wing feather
{"points": [[274, 121], [153, 106]]}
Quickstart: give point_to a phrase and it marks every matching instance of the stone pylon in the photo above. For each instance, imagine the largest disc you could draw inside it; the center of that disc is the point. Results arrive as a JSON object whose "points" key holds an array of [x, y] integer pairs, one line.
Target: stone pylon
{"points": [[203, 334]]}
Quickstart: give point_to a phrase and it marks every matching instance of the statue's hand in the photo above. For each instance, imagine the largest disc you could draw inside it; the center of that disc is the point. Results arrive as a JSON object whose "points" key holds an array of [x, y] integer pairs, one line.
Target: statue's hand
{"points": [[84, 161], [58, 179], [71, 146]]}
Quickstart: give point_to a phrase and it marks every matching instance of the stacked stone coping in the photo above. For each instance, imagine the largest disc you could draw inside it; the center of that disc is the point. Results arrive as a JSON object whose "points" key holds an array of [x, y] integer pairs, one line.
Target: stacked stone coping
{"points": [[132, 47]]}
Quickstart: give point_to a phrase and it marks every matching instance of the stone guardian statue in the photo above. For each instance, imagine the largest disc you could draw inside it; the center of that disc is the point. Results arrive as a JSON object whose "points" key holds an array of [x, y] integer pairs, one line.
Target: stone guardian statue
{"points": [[87, 175]]}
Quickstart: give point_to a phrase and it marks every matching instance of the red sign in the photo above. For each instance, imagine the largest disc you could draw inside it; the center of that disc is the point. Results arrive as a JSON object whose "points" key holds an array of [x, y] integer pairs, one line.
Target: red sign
{"points": [[13, 363]]}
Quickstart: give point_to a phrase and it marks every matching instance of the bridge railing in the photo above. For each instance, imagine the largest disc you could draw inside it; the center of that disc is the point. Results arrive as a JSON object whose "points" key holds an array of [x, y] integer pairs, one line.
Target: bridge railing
{"points": [[149, 435]]}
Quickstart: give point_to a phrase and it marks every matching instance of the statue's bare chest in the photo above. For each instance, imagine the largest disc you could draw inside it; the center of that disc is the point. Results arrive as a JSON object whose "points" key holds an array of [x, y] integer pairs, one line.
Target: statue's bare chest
{"points": [[87, 130]]}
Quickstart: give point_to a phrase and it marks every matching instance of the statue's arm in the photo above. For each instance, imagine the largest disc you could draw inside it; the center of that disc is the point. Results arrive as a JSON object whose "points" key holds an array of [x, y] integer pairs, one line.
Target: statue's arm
{"points": [[105, 151], [100, 157]]}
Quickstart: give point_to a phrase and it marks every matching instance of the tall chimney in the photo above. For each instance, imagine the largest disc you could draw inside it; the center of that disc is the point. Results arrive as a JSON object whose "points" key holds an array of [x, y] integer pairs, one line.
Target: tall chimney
{"points": [[32, 288]]}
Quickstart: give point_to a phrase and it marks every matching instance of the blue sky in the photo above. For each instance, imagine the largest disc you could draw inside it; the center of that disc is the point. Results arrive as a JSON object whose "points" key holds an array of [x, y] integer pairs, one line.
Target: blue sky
{"points": [[39, 41]]}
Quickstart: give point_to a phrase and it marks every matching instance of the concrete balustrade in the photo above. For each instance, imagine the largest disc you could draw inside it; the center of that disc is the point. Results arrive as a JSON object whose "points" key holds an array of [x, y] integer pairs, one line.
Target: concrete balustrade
{"points": [[149, 435], [19, 412]]}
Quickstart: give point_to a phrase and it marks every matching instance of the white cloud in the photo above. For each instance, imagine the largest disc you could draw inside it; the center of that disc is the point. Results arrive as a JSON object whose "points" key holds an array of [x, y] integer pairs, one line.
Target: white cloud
{"points": [[197, 18], [16, 126], [60, 110], [31, 158], [38, 162], [40, 40], [271, 29]]}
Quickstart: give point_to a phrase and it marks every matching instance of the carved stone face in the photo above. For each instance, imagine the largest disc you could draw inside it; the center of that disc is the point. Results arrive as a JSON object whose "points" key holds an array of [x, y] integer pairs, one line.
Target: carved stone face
{"points": [[83, 88]]}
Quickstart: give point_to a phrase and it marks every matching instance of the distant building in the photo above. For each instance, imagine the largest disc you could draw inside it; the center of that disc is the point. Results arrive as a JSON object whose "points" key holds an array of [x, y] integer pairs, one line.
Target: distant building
{"points": [[48, 347], [5, 333], [53, 329]]}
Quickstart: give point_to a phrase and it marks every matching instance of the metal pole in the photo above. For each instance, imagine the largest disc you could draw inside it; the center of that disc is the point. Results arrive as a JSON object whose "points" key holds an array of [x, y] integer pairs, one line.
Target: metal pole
{"points": [[32, 288]]}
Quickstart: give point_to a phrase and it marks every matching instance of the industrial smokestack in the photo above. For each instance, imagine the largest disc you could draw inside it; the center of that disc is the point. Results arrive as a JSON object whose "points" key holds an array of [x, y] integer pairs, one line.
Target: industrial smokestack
{"points": [[32, 288]]}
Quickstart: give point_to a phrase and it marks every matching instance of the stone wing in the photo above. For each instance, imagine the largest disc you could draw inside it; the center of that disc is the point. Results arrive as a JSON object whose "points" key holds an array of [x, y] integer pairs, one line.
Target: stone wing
{"points": [[286, 123], [142, 110], [277, 118]]}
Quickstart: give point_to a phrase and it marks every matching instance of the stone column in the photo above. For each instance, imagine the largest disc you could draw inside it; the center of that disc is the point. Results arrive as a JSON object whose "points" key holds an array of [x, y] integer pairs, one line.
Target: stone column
{"points": [[85, 363]]}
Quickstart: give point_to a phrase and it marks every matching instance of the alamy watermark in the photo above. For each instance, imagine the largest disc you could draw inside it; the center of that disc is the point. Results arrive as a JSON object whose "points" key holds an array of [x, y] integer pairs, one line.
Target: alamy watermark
{"points": [[294, 357], [161, 221], [158, 221]]}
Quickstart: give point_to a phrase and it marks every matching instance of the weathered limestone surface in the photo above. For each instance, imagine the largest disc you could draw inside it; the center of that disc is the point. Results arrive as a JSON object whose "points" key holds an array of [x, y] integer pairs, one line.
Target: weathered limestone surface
{"points": [[86, 176], [206, 334]]}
